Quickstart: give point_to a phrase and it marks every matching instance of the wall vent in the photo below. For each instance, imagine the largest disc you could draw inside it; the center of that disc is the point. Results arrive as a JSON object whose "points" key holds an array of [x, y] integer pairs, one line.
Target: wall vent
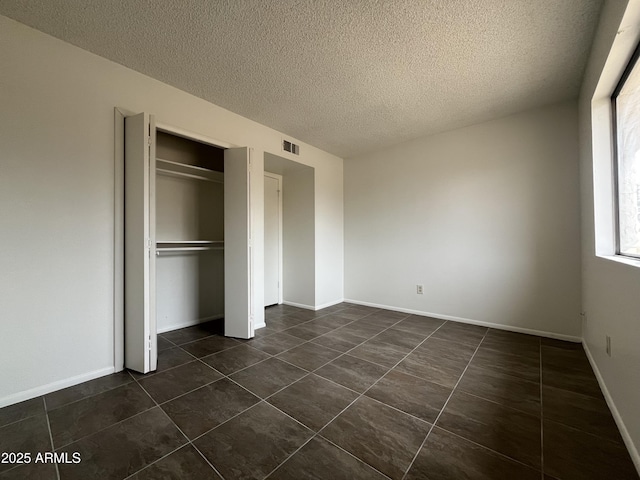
{"points": [[290, 147]]}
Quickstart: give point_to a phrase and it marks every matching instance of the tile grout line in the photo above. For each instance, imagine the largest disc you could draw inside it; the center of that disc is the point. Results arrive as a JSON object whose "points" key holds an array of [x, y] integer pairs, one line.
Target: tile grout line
{"points": [[189, 442], [88, 396], [319, 433], [53, 448], [352, 455], [444, 406], [308, 373], [507, 457]]}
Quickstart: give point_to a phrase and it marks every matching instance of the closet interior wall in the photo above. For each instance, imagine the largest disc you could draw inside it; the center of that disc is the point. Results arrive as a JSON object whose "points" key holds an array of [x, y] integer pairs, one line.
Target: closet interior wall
{"points": [[189, 232]]}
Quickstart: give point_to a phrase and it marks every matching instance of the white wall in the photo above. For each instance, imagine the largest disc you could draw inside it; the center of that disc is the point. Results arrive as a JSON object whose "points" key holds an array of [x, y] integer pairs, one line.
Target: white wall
{"points": [[609, 288], [485, 217], [57, 202], [298, 237]]}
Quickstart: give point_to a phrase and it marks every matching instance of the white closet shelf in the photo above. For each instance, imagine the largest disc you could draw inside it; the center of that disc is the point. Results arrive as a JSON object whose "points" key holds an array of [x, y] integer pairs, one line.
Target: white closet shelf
{"points": [[184, 170], [185, 246], [181, 242]]}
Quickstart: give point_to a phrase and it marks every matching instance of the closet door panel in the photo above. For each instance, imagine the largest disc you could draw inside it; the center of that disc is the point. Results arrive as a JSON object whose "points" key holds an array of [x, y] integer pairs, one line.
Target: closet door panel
{"points": [[237, 243], [139, 298]]}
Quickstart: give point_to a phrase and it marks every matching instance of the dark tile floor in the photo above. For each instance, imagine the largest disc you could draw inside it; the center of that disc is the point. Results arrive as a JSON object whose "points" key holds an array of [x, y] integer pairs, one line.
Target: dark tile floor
{"points": [[348, 392]]}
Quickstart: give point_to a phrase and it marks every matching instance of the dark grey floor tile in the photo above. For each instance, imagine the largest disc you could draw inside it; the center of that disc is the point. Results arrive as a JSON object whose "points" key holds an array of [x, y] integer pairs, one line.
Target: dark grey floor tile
{"points": [[331, 321], [163, 343], [352, 372], [320, 460], [285, 322], [419, 325], [505, 430], [379, 321], [313, 401], [309, 356], [123, 448], [571, 454], [183, 464], [31, 471], [362, 328], [578, 380], [79, 419], [379, 435], [276, 343], [566, 358], [265, 331], [401, 339], [511, 342], [22, 410], [196, 332], [379, 352], [438, 361], [86, 389], [552, 342], [501, 388], [448, 457], [308, 331], [303, 314], [584, 412], [177, 381], [333, 308], [410, 394], [209, 345], [461, 333], [502, 362], [168, 358], [268, 377], [205, 408], [30, 435], [340, 340], [354, 313], [254, 443], [234, 359]]}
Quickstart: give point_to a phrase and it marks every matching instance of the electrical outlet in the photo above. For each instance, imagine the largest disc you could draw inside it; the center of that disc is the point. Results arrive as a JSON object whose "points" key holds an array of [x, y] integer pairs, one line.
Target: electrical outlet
{"points": [[419, 289], [608, 345]]}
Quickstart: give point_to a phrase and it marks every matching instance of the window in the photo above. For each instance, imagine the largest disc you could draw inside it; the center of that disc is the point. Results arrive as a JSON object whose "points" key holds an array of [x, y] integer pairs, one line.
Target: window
{"points": [[626, 117]]}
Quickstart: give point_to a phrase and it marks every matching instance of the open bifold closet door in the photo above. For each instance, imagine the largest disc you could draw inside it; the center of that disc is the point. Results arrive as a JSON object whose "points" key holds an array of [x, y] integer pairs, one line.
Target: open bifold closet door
{"points": [[140, 352], [178, 216], [238, 311]]}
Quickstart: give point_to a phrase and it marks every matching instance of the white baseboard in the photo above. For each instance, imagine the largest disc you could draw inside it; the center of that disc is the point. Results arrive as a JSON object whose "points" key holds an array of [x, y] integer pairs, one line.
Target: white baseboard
{"points": [[54, 386], [299, 305], [189, 323], [626, 437], [499, 326], [329, 304], [311, 307], [259, 325]]}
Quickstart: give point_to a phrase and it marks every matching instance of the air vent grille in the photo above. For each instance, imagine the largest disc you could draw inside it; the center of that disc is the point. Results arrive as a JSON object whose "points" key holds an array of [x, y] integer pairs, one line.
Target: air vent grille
{"points": [[290, 147]]}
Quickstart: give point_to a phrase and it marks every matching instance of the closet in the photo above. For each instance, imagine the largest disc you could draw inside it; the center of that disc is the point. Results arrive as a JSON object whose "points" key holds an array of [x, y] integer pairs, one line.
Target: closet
{"points": [[187, 237]]}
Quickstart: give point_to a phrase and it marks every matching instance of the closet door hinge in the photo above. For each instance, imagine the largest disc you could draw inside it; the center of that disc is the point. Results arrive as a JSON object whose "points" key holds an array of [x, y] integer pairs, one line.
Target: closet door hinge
{"points": [[149, 343], [149, 140], [149, 243]]}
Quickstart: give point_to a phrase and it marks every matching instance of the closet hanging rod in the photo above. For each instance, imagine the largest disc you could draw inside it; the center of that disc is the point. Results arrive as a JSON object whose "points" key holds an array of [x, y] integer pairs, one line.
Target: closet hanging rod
{"points": [[183, 242], [185, 249], [172, 173]]}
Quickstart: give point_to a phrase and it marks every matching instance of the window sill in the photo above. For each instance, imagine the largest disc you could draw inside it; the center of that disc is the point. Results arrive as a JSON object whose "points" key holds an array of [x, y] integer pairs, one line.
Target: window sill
{"points": [[633, 262]]}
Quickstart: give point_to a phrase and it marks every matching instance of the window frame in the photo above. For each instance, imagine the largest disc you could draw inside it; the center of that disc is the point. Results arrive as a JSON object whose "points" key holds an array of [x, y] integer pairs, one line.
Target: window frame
{"points": [[633, 62]]}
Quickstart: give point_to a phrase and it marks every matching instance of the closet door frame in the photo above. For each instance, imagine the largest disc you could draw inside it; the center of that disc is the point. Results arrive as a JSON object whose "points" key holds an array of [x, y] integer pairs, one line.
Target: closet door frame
{"points": [[119, 217], [277, 177]]}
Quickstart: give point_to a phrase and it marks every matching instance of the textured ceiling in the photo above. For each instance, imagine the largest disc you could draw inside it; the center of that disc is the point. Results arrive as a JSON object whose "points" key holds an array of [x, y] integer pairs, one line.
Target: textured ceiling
{"points": [[348, 76]]}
